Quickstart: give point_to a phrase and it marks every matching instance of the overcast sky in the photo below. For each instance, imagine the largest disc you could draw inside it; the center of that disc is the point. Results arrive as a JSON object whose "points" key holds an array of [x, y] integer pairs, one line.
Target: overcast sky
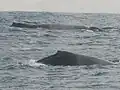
{"points": [[87, 6]]}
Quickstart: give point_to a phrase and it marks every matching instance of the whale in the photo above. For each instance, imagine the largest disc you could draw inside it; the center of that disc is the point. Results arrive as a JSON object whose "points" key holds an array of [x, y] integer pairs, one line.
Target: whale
{"points": [[24, 25], [54, 26], [65, 58], [47, 26], [95, 29]]}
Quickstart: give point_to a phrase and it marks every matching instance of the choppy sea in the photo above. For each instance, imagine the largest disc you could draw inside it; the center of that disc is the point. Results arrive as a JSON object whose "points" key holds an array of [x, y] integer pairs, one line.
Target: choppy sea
{"points": [[21, 47]]}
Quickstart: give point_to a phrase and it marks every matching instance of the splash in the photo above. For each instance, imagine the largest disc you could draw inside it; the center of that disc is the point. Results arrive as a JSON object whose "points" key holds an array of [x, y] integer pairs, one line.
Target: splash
{"points": [[33, 63]]}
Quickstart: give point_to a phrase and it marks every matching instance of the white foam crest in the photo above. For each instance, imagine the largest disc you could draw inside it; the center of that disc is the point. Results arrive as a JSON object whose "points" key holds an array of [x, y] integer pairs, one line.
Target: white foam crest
{"points": [[35, 64], [89, 31]]}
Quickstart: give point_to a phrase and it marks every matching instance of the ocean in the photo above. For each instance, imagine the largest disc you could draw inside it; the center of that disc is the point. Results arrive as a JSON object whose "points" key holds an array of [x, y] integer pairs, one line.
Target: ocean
{"points": [[21, 47]]}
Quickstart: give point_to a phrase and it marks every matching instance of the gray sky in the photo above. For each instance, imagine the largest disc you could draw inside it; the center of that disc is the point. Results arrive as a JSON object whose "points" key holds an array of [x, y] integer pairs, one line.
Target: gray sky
{"points": [[88, 6]]}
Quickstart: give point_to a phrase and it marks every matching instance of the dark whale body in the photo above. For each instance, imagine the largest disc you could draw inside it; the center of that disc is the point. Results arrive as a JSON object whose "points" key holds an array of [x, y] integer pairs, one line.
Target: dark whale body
{"points": [[24, 25], [53, 26], [65, 58], [95, 29], [47, 26]]}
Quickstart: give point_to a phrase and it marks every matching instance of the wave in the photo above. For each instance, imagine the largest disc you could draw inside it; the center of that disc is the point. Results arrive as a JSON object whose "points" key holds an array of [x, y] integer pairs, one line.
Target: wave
{"points": [[57, 26]]}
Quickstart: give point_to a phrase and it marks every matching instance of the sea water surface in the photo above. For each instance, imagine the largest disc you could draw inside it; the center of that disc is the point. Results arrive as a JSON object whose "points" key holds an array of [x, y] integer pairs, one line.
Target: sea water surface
{"points": [[21, 47]]}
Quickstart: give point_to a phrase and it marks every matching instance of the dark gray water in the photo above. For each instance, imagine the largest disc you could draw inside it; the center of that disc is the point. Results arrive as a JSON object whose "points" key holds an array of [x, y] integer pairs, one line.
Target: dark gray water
{"points": [[20, 47]]}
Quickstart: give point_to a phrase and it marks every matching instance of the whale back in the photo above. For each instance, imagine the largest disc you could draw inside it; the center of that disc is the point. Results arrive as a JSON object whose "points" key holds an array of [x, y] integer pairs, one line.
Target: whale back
{"points": [[60, 58], [67, 58]]}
